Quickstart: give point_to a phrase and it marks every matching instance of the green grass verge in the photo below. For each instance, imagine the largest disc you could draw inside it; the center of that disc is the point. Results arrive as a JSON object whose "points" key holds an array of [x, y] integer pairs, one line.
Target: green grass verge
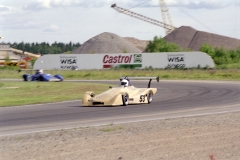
{"points": [[113, 74], [41, 92], [18, 93]]}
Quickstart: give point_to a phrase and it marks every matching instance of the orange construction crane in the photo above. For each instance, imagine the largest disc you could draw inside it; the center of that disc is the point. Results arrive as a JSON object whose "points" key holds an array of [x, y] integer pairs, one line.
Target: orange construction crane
{"points": [[168, 28]]}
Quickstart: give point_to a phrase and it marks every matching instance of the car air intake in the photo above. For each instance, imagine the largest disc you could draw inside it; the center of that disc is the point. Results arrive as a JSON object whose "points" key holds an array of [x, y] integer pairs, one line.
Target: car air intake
{"points": [[98, 103]]}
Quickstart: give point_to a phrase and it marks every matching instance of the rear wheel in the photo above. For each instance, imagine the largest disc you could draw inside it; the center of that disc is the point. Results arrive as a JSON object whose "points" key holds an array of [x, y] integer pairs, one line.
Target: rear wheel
{"points": [[125, 99], [29, 78], [149, 96]]}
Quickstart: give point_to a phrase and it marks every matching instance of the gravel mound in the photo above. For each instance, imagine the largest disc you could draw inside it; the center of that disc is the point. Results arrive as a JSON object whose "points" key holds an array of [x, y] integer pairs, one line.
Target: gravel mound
{"points": [[106, 43], [140, 44], [187, 37]]}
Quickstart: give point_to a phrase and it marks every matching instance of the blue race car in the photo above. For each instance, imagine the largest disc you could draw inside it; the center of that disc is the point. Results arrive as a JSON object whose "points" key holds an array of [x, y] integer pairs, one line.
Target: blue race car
{"points": [[40, 76]]}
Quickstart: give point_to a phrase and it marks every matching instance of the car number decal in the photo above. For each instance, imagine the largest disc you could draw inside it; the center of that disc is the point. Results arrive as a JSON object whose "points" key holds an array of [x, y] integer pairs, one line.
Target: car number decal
{"points": [[142, 98]]}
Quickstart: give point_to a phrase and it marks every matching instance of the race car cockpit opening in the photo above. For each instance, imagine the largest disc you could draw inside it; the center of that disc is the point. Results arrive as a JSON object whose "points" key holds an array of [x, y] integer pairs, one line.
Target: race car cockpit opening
{"points": [[40, 71], [124, 83]]}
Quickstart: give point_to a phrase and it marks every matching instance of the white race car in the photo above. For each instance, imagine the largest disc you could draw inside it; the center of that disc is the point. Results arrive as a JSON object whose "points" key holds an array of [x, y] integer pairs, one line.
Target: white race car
{"points": [[124, 94]]}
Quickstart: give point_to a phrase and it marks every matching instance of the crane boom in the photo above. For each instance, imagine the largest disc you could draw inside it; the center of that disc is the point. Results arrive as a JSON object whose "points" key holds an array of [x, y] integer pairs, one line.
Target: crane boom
{"points": [[164, 10], [167, 27]]}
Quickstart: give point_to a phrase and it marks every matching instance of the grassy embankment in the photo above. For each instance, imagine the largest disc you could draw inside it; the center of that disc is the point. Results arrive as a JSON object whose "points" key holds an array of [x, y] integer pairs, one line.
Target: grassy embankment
{"points": [[18, 93], [193, 74]]}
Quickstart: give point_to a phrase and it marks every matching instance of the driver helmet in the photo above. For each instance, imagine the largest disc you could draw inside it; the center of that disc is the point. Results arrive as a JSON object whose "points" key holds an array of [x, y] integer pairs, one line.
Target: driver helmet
{"points": [[40, 71], [124, 83]]}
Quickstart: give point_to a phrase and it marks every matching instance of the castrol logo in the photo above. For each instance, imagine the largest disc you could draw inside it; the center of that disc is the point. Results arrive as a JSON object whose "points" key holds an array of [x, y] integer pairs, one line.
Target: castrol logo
{"points": [[107, 59]]}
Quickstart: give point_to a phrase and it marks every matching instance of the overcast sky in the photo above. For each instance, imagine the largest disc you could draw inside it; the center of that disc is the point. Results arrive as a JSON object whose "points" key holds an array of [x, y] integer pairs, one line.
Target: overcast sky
{"points": [[80, 20]]}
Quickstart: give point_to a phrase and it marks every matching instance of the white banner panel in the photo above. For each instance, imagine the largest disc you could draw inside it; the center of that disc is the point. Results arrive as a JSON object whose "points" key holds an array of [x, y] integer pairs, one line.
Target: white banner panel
{"points": [[125, 60]]}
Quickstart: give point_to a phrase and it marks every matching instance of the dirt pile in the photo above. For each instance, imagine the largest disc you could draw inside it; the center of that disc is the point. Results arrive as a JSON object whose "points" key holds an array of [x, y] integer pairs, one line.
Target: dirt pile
{"points": [[106, 43], [140, 44], [187, 37]]}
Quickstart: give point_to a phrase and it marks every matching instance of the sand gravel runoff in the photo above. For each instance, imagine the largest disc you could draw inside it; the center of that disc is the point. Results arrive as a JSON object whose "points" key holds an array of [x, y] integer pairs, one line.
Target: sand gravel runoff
{"points": [[212, 137]]}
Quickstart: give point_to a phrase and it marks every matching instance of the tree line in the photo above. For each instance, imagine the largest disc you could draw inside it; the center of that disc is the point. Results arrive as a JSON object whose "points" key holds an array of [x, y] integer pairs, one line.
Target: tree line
{"points": [[45, 48], [222, 57]]}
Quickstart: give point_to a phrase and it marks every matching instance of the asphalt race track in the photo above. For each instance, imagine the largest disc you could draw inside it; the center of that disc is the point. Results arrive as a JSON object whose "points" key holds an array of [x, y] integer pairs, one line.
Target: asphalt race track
{"points": [[173, 99]]}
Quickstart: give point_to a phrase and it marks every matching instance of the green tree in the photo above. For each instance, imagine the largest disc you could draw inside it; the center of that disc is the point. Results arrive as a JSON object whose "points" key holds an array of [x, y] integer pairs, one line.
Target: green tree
{"points": [[33, 60], [208, 49], [46, 48], [161, 45], [221, 56]]}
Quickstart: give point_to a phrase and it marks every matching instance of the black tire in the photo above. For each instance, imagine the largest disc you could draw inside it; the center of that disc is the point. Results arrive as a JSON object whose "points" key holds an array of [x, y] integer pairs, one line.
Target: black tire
{"points": [[125, 99], [149, 97]]}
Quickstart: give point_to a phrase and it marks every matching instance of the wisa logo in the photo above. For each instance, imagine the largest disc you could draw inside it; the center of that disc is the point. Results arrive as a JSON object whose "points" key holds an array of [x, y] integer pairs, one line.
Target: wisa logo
{"points": [[175, 59], [68, 61], [107, 59]]}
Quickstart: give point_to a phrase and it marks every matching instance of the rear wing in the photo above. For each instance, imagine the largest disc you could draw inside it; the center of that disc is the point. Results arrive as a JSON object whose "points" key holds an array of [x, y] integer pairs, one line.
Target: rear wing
{"points": [[141, 78], [33, 71], [20, 70], [150, 80]]}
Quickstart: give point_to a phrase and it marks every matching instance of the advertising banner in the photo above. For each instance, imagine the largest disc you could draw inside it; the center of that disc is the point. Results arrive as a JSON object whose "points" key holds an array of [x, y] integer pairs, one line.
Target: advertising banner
{"points": [[124, 60], [23, 65]]}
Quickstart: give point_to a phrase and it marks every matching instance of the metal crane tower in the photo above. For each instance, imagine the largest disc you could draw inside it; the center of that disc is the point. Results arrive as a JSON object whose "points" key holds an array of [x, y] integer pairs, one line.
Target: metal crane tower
{"points": [[168, 28], [165, 14]]}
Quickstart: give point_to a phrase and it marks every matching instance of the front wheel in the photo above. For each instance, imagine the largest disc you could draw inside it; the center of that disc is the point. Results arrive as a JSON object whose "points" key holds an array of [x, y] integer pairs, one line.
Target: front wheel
{"points": [[149, 97], [125, 99], [29, 78]]}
